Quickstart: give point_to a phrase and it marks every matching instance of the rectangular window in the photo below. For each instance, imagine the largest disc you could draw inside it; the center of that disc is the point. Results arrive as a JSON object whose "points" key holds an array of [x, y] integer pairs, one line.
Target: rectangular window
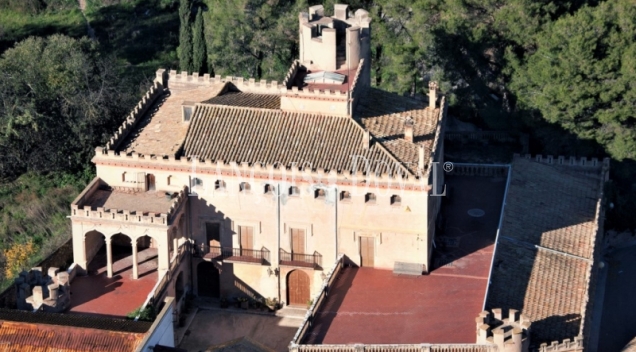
{"points": [[297, 244], [246, 237]]}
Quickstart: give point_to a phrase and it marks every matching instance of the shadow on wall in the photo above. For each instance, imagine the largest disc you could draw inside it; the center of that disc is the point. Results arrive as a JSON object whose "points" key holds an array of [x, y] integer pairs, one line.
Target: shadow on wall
{"points": [[327, 312]]}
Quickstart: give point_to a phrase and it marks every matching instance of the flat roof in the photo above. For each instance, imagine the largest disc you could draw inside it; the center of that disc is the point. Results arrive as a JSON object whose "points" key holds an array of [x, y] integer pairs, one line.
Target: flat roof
{"points": [[374, 306], [141, 202]]}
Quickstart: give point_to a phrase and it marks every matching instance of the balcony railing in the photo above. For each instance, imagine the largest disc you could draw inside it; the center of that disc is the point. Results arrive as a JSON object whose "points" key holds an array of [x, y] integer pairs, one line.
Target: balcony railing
{"points": [[300, 259], [260, 256]]}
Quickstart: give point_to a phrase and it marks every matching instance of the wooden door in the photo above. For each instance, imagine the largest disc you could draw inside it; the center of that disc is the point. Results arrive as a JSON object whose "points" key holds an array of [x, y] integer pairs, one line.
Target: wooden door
{"points": [[367, 251], [151, 182], [246, 234], [209, 280], [141, 181], [298, 288], [298, 244]]}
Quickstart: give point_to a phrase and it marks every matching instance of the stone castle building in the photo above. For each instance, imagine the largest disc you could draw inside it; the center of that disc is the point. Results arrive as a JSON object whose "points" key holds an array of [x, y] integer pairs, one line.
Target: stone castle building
{"points": [[267, 183]]}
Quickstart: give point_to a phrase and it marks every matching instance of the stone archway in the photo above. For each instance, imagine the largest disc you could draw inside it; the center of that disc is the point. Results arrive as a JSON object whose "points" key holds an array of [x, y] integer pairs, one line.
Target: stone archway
{"points": [[298, 288], [208, 280], [94, 249]]}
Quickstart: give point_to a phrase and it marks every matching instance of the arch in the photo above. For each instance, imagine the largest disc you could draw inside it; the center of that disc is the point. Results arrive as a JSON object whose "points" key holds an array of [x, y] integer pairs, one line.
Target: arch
{"points": [[179, 286], [94, 242], [298, 288], [208, 280]]}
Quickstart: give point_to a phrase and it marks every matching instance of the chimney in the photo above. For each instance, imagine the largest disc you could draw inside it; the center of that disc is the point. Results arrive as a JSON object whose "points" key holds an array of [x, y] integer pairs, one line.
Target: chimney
{"points": [[340, 11], [432, 94], [408, 129], [366, 140]]}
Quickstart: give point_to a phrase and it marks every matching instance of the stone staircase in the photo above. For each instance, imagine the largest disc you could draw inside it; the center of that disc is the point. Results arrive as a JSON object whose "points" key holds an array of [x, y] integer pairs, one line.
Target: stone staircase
{"points": [[292, 312]]}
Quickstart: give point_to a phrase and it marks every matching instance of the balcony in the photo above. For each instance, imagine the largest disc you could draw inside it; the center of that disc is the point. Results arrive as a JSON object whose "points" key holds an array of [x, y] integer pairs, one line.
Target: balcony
{"points": [[229, 254], [300, 259]]}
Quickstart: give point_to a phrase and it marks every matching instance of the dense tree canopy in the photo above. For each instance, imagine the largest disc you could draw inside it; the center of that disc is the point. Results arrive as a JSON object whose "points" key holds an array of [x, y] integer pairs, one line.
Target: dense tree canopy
{"points": [[583, 75], [59, 98]]}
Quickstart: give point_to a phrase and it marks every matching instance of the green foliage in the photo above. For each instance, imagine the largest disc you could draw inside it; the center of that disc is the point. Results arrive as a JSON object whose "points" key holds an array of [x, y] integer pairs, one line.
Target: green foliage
{"points": [[199, 55], [147, 314], [252, 38], [59, 99], [184, 51], [33, 209], [582, 75]]}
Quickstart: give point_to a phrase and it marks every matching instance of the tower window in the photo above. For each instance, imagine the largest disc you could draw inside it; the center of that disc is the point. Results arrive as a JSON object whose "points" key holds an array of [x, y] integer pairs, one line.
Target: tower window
{"points": [[369, 198]]}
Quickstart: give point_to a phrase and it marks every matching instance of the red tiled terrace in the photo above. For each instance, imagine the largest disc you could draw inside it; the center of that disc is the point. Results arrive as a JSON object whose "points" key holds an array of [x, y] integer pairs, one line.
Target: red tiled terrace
{"points": [[119, 295], [374, 306]]}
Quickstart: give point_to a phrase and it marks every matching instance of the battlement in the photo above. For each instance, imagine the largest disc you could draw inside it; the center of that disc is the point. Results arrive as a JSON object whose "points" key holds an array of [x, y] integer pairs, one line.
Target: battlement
{"points": [[138, 112], [79, 207], [570, 161], [204, 166], [49, 293], [574, 345], [510, 334]]}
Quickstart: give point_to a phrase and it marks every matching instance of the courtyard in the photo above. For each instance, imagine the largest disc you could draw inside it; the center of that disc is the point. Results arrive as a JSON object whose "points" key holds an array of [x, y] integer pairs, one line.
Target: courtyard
{"points": [[374, 306], [215, 326]]}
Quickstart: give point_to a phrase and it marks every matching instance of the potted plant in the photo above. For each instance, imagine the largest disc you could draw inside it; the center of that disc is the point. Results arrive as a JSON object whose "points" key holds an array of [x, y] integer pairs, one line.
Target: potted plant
{"points": [[243, 302]]}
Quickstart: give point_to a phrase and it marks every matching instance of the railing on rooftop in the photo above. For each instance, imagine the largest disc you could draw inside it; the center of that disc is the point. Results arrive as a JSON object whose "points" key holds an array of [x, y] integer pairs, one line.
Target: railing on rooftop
{"points": [[395, 348], [230, 254], [156, 295], [300, 259], [317, 302]]}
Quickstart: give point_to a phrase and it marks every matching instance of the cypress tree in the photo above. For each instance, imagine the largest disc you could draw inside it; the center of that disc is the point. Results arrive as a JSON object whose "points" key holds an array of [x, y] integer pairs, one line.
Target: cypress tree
{"points": [[184, 51], [199, 55]]}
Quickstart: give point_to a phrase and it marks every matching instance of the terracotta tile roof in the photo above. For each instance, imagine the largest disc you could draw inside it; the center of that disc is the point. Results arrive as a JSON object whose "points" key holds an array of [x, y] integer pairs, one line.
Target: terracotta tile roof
{"points": [[274, 136], [15, 336], [162, 130], [630, 347], [76, 320], [546, 245], [326, 142], [250, 100]]}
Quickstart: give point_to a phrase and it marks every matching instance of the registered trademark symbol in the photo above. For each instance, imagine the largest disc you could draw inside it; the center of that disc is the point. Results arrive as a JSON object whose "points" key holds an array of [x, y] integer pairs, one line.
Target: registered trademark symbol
{"points": [[448, 166]]}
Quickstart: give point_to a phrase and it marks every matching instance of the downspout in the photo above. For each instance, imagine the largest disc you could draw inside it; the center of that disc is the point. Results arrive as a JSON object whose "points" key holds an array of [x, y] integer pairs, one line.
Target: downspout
{"points": [[278, 224], [336, 220]]}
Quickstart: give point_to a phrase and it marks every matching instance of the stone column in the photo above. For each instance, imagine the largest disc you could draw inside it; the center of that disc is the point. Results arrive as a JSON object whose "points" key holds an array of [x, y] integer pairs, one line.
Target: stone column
{"points": [[134, 260], [109, 258]]}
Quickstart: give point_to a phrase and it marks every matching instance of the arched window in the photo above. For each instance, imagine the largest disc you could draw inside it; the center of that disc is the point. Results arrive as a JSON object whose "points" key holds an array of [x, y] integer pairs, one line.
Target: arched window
{"points": [[197, 182], [245, 187], [345, 196], [219, 185], [369, 198], [320, 193], [269, 189], [396, 200], [294, 191]]}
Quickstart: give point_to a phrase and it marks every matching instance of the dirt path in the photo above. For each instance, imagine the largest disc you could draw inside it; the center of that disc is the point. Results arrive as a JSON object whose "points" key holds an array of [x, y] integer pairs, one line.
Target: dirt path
{"points": [[89, 29]]}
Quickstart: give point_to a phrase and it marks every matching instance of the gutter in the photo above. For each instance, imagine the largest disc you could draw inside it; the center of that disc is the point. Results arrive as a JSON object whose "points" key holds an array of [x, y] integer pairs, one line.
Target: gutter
{"points": [[501, 216]]}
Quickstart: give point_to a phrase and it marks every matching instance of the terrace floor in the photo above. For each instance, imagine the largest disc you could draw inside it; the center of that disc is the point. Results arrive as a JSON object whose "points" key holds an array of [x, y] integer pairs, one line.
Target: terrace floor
{"points": [[142, 202], [374, 306], [95, 293]]}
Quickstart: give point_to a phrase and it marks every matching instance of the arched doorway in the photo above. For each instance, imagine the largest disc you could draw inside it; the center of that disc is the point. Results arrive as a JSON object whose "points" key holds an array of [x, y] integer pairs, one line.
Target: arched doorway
{"points": [[151, 182], [208, 280], [179, 286], [297, 288], [121, 246]]}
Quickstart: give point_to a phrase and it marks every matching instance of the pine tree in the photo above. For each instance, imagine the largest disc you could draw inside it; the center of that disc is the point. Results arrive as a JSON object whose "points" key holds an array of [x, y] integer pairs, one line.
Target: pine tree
{"points": [[184, 51], [199, 55]]}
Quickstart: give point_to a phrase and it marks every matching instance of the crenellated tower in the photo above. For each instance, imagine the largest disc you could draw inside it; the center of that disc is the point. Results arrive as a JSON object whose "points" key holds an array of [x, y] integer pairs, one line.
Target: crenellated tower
{"points": [[511, 334]]}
